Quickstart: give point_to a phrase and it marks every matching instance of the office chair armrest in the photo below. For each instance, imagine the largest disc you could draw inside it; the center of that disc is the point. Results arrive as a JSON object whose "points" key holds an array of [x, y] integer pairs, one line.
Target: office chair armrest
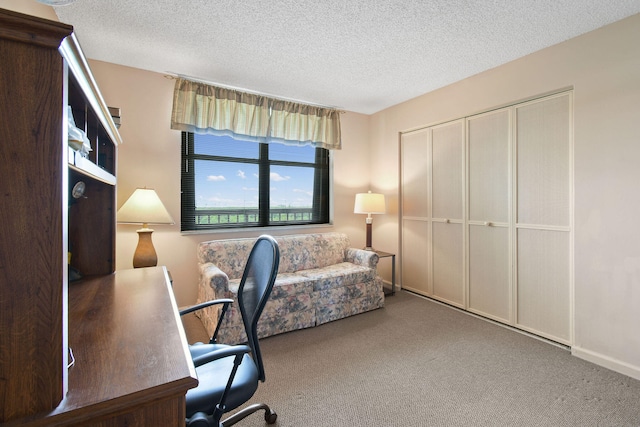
{"points": [[226, 302], [202, 305], [234, 350]]}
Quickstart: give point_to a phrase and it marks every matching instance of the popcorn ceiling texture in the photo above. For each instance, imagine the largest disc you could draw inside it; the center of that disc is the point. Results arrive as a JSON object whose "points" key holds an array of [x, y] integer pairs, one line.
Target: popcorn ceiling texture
{"points": [[356, 55]]}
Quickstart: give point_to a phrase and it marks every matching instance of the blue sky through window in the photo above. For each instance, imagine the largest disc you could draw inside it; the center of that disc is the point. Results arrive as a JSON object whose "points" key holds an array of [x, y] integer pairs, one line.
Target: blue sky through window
{"points": [[235, 185]]}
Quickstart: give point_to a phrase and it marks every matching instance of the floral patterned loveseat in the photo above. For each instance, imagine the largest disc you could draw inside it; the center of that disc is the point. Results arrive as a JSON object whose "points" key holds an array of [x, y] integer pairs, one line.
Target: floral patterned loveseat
{"points": [[320, 279]]}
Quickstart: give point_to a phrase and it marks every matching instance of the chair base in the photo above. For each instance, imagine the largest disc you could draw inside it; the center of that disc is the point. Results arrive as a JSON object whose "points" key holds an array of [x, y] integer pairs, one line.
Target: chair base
{"points": [[269, 414]]}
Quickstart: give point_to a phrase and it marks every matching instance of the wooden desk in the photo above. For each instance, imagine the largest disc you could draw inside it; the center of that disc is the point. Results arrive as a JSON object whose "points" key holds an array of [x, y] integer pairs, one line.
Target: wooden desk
{"points": [[132, 365]]}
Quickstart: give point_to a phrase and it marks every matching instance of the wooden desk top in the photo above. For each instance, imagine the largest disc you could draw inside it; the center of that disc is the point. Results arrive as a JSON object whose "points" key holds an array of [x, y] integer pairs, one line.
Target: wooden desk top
{"points": [[129, 346]]}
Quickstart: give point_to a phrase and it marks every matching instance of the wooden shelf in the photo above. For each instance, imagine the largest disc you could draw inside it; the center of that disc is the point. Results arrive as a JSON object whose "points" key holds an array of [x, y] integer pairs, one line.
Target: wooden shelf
{"points": [[88, 168]]}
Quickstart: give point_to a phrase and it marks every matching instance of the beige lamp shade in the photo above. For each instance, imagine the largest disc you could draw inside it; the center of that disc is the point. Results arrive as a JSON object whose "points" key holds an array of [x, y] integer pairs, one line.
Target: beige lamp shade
{"points": [[369, 203], [144, 207]]}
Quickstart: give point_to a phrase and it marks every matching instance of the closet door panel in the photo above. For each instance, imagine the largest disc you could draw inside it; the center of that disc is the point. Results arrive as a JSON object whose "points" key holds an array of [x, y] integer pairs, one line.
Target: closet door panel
{"points": [[415, 256], [415, 174], [489, 167], [543, 278], [489, 206], [447, 213], [415, 211], [447, 167], [448, 263], [543, 161], [489, 284], [543, 213]]}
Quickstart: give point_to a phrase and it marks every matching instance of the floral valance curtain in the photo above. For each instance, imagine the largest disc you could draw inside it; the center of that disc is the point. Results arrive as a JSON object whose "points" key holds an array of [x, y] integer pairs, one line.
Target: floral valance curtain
{"points": [[202, 108]]}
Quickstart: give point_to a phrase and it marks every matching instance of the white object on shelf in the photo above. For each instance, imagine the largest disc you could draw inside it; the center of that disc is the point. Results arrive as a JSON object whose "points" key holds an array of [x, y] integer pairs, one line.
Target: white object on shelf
{"points": [[77, 137]]}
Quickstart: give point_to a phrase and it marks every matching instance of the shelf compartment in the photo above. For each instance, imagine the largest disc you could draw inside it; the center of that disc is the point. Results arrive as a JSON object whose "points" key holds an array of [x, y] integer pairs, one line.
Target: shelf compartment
{"points": [[87, 167]]}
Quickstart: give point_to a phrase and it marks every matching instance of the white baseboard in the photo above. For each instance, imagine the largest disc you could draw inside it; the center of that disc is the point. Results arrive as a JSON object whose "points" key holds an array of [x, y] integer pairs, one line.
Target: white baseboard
{"points": [[607, 362]]}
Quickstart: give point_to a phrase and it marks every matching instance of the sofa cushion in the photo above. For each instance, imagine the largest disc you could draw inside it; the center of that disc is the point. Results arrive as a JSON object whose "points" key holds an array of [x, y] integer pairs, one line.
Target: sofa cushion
{"points": [[286, 285], [338, 275], [267, 326], [230, 256], [274, 308], [343, 294], [307, 251], [297, 252], [331, 312]]}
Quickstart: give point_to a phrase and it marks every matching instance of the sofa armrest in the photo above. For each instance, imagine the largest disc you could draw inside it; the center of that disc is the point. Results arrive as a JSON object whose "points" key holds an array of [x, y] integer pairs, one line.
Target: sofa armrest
{"points": [[212, 276], [214, 285], [362, 257]]}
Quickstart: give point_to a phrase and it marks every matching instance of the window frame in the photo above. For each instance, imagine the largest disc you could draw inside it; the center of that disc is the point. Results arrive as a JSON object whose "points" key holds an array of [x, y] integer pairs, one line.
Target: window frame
{"points": [[322, 208]]}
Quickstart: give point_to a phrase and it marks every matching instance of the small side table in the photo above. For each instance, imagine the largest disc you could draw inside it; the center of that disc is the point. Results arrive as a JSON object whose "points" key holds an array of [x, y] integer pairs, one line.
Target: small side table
{"points": [[382, 254]]}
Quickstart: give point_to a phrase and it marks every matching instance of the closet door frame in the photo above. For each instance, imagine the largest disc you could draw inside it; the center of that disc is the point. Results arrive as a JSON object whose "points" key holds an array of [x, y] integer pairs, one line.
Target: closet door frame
{"points": [[512, 225]]}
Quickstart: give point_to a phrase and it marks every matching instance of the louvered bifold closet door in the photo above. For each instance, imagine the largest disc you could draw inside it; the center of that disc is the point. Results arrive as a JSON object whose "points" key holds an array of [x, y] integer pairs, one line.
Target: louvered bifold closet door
{"points": [[447, 213], [489, 275], [543, 220], [414, 149]]}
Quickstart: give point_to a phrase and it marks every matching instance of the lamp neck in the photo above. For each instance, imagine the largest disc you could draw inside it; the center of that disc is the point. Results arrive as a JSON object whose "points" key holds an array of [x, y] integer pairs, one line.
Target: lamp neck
{"points": [[145, 227]]}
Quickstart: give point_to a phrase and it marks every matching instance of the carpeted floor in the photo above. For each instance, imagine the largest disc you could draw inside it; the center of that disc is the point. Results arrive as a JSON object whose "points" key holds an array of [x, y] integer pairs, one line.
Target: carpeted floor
{"points": [[419, 363]]}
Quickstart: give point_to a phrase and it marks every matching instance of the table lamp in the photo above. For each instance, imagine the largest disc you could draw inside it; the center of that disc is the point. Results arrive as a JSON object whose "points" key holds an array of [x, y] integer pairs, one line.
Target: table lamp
{"points": [[144, 207], [369, 203]]}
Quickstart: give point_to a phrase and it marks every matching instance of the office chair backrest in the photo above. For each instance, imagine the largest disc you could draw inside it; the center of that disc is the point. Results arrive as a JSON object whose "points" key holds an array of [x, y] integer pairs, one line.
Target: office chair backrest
{"points": [[254, 290]]}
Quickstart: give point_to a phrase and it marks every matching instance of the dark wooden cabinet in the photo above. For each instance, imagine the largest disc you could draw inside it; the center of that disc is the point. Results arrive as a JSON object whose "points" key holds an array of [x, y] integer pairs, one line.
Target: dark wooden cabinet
{"points": [[113, 321], [33, 221]]}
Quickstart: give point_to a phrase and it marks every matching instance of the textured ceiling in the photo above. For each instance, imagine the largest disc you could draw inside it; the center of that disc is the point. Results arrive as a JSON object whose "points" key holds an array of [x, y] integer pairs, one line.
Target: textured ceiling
{"points": [[356, 55]]}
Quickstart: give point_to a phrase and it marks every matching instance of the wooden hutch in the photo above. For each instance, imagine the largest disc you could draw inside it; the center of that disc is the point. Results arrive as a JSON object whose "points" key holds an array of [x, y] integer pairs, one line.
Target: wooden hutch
{"points": [[106, 349]]}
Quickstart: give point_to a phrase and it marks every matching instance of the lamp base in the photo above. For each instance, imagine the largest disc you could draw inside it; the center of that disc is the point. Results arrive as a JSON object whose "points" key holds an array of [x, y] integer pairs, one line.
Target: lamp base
{"points": [[368, 246], [145, 254]]}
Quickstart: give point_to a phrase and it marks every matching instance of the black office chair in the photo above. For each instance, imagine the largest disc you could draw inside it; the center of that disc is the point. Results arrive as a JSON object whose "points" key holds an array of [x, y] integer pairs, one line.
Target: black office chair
{"points": [[228, 375]]}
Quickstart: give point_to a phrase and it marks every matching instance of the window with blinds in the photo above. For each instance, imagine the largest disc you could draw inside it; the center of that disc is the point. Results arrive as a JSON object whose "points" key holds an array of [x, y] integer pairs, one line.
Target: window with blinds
{"points": [[228, 183]]}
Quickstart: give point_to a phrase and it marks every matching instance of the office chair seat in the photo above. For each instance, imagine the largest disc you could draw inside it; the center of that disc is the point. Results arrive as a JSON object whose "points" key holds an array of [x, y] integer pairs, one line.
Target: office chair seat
{"points": [[213, 378]]}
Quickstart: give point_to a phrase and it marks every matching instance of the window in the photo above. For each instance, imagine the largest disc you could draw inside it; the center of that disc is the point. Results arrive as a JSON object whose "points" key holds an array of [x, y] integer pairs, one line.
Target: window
{"points": [[228, 183]]}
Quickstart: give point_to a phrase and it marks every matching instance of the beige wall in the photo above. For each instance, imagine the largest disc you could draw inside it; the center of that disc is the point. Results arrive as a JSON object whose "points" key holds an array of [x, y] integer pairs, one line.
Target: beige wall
{"points": [[603, 67]]}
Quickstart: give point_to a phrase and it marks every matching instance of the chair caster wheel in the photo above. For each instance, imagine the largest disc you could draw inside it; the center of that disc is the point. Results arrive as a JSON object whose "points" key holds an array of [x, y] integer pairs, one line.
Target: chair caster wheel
{"points": [[270, 416]]}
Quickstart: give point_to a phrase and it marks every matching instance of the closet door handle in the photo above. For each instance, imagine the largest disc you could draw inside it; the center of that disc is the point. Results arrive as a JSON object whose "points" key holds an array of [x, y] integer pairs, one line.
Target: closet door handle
{"points": [[488, 224]]}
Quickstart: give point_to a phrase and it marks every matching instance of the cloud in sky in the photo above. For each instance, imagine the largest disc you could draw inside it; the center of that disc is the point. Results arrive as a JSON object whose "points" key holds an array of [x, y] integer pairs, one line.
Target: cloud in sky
{"points": [[216, 178], [241, 174], [277, 177]]}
